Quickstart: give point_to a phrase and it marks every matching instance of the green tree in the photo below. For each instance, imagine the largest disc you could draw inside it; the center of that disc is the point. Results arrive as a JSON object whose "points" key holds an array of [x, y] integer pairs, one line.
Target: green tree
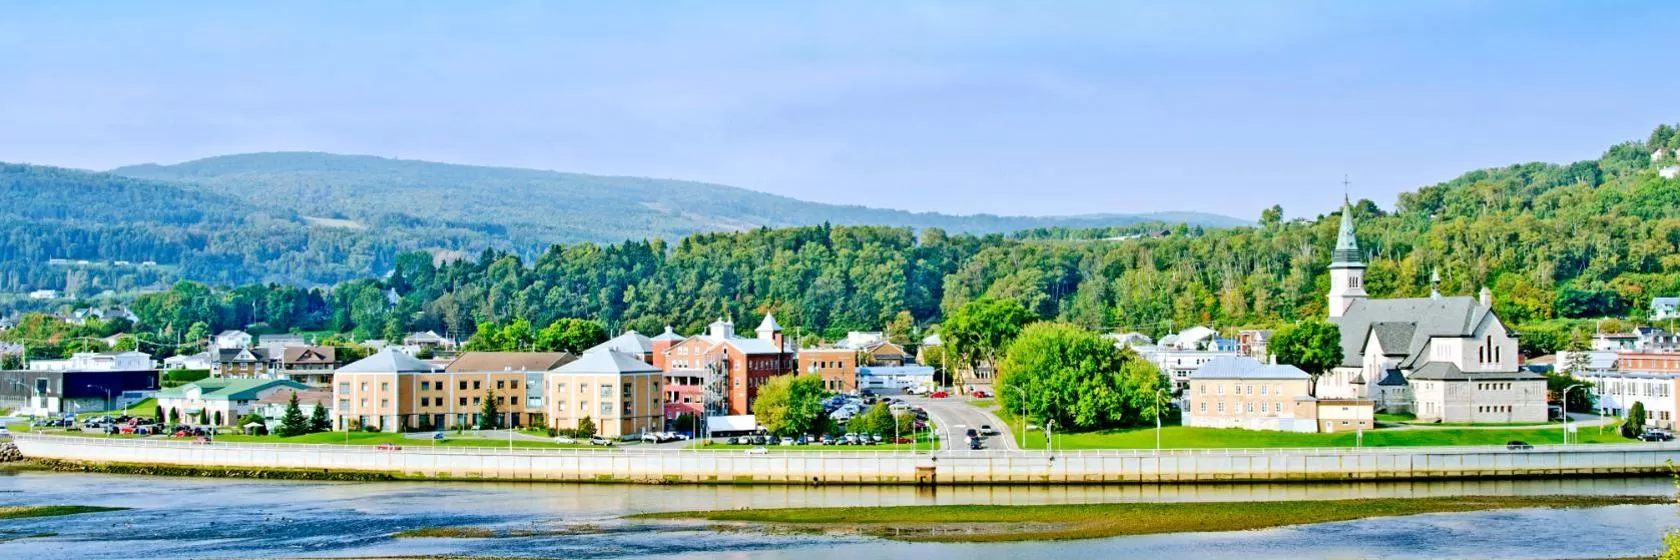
{"points": [[790, 405], [203, 417], [1581, 398], [877, 420], [980, 330], [1077, 378], [570, 335], [1635, 419], [585, 427], [253, 418], [318, 420], [901, 329], [292, 422], [11, 362], [489, 414], [1271, 217], [1314, 346]]}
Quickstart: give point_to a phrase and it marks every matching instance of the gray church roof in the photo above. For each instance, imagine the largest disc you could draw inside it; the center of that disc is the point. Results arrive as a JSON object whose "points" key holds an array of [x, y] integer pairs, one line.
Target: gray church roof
{"points": [[1446, 371], [1428, 317]]}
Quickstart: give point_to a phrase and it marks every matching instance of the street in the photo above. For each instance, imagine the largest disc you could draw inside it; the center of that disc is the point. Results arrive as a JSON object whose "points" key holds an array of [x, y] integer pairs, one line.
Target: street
{"points": [[954, 417]]}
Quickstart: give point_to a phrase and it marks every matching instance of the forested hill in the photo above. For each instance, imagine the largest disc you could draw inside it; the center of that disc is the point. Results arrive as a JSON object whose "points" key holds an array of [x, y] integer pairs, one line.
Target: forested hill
{"points": [[534, 208], [1592, 239]]}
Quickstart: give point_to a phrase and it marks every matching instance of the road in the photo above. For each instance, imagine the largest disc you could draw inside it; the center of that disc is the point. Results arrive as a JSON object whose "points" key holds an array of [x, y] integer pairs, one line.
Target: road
{"points": [[954, 417]]}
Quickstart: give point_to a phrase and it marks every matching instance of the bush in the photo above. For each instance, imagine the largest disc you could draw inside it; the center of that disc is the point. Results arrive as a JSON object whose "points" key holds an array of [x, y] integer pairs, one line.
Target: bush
{"points": [[553, 432], [178, 377]]}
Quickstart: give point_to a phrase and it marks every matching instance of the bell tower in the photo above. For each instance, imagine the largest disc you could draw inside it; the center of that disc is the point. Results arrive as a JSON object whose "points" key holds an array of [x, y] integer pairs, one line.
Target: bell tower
{"points": [[1347, 268]]}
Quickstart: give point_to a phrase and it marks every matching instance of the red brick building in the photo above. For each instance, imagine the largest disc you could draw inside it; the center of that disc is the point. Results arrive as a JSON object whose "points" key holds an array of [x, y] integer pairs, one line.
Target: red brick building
{"points": [[745, 363]]}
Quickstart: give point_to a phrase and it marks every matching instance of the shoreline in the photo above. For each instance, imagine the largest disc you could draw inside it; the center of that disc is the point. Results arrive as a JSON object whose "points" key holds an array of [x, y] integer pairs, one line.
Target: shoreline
{"points": [[993, 524]]}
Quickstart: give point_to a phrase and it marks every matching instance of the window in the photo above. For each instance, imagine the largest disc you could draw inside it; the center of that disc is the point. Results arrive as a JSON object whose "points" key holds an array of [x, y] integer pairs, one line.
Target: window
{"points": [[514, 384], [1203, 388], [513, 401], [343, 387], [560, 406], [627, 411], [463, 401], [626, 389], [425, 385], [500, 384], [583, 405], [583, 388], [463, 385], [1204, 406], [384, 403], [559, 387], [363, 403], [384, 386], [364, 386], [606, 409], [425, 401], [343, 405], [1222, 407], [1220, 389], [1251, 407], [475, 385], [1262, 389], [477, 401], [606, 390]]}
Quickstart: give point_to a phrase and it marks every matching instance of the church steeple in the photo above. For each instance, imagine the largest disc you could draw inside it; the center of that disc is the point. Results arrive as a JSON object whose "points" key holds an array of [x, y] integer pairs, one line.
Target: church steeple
{"points": [[1347, 268]]}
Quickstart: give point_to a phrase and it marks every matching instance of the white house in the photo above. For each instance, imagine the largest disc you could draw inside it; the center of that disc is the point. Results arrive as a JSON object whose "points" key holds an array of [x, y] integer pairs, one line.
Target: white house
{"points": [[231, 339], [97, 361], [1616, 391], [1665, 308]]}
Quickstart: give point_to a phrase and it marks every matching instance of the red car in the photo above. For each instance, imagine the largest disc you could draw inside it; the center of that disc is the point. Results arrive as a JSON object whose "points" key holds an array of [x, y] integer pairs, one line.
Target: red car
{"points": [[981, 394], [939, 395]]}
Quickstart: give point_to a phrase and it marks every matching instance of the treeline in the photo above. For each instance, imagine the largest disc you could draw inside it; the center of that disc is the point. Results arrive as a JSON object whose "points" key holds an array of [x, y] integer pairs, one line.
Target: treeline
{"points": [[1554, 242]]}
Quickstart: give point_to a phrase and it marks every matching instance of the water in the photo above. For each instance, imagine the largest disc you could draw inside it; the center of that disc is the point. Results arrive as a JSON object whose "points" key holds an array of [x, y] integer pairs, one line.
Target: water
{"points": [[217, 518]]}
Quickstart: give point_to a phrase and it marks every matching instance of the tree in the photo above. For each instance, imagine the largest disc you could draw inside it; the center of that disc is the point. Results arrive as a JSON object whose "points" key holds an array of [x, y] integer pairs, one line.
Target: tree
{"points": [[292, 422], [790, 405], [318, 420], [170, 417], [1581, 398], [1314, 346], [254, 418], [686, 422], [1271, 217], [1077, 379], [585, 427], [203, 417], [570, 335], [11, 362], [1635, 419], [489, 415], [877, 420], [977, 333], [901, 328]]}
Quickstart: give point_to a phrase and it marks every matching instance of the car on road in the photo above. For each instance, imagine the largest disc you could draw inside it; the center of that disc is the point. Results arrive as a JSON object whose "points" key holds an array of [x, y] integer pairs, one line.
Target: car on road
{"points": [[758, 451], [987, 430], [972, 433], [1515, 445], [974, 444], [938, 395], [4, 431], [565, 439], [1656, 435], [598, 440], [980, 395]]}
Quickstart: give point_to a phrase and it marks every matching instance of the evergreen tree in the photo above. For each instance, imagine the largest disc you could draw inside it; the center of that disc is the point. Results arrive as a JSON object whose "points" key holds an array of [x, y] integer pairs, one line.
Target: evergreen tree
{"points": [[489, 416], [292, 422], [586, 427], [318, 421]]}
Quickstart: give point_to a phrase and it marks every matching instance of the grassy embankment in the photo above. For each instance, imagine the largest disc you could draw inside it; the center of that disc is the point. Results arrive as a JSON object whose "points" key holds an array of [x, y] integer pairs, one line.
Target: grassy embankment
{"points": [[21, 512], [353, 438], [1086, 521]]}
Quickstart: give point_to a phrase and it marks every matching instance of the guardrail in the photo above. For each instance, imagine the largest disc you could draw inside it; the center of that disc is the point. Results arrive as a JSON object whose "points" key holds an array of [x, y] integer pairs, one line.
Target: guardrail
{"points": [[773, 451]]}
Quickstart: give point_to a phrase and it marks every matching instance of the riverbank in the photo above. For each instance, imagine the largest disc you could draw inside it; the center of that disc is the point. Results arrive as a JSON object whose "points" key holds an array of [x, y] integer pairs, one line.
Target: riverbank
{"points": [[24, 512], [1089, 521]]}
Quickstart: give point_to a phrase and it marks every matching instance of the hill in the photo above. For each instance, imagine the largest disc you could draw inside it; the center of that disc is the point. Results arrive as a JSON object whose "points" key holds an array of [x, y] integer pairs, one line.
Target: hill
{"points": [[534, 209]]}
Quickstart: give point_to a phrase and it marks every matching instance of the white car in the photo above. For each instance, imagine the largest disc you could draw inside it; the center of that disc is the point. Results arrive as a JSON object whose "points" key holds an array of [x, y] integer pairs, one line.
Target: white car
{"points": [[565, 439], [758, 451]]}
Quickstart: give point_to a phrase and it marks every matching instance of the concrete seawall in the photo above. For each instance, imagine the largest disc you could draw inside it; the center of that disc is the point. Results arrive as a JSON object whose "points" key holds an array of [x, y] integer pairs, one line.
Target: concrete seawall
{"points": [[865, 467]]}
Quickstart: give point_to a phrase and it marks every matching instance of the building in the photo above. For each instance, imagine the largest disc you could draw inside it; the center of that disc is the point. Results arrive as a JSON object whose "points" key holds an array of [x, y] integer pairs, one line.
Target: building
{"points": [[1614, 342], [632, 343], [1647, 362], [218, 402], [1254, 343], [1440, 358], [739, 364], [662, 344], [232, 339], [201, 360], [1665, 308], [1129, 339], [617, 390], [272, 407], [419, 341], [98, 361], [309, 365], [276, 344], [886, 353], [894, 378], [1653, 339], [685, 393], [49, 392], [1617, 391], [1241, 392], [393, 391], [930, 343], [241, 363], [838, 367]]}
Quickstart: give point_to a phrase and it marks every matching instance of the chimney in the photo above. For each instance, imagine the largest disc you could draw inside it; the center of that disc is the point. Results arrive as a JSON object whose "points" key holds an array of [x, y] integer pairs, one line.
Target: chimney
{"points": [[1487, 297]]}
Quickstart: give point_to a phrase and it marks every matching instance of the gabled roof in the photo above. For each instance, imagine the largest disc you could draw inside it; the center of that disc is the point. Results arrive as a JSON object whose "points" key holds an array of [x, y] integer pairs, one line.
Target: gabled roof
{"points": [[225, 355], [1244, 367], [309, 355], [606, 361], [510, 361], [769, 323], [1395, 338], [1428, 317], [886, 348], [232, 332], [317, 397], [389, 361], [670, 335], [1392, 378], [1675, 301], [631, 342]]}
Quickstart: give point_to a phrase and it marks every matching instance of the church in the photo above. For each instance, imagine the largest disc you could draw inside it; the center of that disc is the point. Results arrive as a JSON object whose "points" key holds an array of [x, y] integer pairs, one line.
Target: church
{"points": [[1440, 358]]}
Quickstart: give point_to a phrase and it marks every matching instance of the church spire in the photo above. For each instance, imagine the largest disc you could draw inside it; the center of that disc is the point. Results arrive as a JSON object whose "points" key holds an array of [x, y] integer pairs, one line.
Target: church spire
{"points": [[1347, 247]]}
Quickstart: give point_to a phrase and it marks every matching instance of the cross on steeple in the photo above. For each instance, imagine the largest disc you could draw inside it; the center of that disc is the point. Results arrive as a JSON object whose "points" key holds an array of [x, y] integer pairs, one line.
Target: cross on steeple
{"points": [[1346, 189]]}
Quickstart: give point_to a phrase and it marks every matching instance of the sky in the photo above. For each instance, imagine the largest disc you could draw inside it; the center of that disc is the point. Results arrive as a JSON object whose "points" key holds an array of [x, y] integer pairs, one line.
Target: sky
{"points": [[958, 107]]}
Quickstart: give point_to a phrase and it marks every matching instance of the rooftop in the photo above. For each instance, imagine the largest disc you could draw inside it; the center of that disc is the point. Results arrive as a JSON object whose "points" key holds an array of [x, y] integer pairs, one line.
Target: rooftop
{"points": [[389, 361], [1244, 367], [606, 361], [509, 361]]}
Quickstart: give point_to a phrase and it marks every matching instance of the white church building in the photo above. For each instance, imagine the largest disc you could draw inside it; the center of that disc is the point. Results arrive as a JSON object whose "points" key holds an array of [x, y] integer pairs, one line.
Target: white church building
{"points": [[1441, 358]]}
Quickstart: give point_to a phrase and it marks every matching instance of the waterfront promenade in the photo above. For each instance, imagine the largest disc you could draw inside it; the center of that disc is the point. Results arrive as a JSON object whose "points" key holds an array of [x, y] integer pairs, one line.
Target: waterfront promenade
{"points": [[876, 467]]}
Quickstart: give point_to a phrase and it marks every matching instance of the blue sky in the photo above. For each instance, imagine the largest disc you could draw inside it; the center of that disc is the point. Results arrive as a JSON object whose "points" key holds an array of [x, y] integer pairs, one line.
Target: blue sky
{"points": [[961, 107]]}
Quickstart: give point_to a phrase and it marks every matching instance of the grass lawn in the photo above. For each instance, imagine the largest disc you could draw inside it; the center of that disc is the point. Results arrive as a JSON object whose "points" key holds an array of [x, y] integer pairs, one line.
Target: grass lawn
{"points": [[376, 438], [924, 442], [1086, 521], [1396, 418], [145, 408], [983, 403], [1180, 437]]}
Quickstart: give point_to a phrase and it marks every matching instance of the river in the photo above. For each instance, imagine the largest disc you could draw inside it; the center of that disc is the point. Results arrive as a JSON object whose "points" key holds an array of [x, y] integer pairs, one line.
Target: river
{"points": [[222, 518]]}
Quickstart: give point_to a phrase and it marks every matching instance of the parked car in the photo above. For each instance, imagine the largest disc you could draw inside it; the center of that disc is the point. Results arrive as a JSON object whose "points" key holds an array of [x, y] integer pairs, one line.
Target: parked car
{"points": [[758, 451], [987, 430], [972, 433], [974, 444], [565, 439], [598, 440], [1515, 445], [826, 440], [875, 438], [1656, 435], [981, 395], [904, 440], [938, 395], [787, 440], [850, 439], [388, 447], [650, 437]]}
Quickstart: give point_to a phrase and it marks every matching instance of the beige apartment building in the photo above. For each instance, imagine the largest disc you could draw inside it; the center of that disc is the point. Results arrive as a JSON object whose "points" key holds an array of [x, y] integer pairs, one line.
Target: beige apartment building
{"points": [[838, 367], [1241, 392], [619, 392], [392, 391]]}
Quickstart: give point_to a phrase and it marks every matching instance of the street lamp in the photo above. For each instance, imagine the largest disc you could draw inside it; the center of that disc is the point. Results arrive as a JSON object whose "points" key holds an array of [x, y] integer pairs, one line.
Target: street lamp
{"points": [[1565, 406], [1159, 393], [1023, 417]]}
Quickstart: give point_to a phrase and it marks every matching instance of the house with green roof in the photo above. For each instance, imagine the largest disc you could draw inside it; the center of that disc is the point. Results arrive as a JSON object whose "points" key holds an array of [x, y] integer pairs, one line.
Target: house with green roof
{"points": [[219, 401]]}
